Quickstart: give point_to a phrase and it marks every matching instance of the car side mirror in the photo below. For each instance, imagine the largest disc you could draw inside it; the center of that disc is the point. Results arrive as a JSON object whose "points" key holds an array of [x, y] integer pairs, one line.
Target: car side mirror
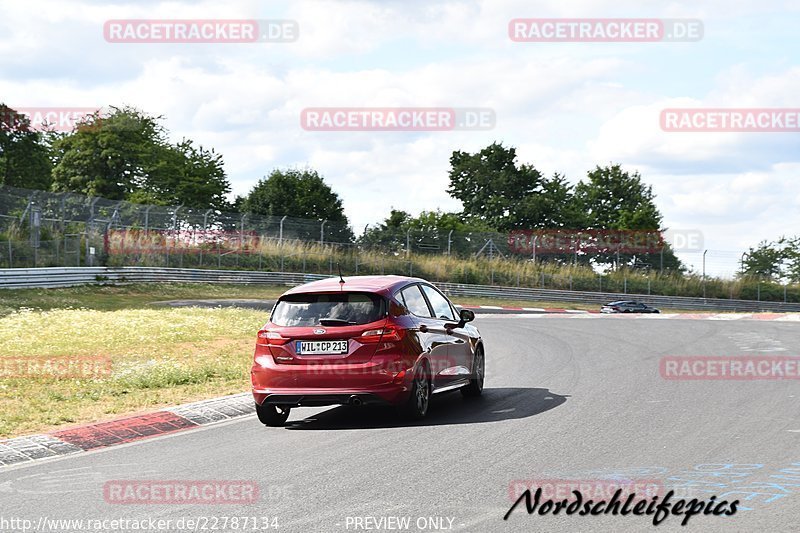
{"points": [[466, 315]]}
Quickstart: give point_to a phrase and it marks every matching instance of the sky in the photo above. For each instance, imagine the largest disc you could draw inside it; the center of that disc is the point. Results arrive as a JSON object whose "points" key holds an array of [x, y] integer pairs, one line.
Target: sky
{"points": [[565, 106]]}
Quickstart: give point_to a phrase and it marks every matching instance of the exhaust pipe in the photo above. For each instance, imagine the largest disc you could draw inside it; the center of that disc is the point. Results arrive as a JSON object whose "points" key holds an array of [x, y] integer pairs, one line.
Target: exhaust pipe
{"points": [[355, 401]]}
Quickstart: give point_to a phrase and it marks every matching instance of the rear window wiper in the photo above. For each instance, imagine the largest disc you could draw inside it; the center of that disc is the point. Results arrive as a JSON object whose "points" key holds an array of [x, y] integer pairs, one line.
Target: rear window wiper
{"points": [[336, 322]]}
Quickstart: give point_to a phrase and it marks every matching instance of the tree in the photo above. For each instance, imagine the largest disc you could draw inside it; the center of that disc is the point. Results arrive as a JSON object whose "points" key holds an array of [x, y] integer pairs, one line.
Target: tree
{"points": [[769, 259], [24, 152], [791, 258], [390, 234], [497, 192], [428, 231], [125, 155], [614, 199], [189, 175], [300, 194]]}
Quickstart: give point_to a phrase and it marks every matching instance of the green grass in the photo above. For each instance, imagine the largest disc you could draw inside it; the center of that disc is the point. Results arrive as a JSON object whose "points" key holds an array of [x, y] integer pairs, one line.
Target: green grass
{"points": [[159, 357]]}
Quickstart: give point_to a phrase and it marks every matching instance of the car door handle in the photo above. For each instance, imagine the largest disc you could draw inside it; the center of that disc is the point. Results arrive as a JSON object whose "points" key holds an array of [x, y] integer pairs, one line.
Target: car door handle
{"points": [[423, 328]]}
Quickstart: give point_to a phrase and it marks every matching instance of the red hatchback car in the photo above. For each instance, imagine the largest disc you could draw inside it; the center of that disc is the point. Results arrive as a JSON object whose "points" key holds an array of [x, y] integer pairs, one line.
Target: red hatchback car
{"points": [[364, 340]]}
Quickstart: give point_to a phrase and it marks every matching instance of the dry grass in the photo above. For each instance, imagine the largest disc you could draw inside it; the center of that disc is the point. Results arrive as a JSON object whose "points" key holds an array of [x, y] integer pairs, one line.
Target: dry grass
{"points": [[159, 357], [310, 257]]}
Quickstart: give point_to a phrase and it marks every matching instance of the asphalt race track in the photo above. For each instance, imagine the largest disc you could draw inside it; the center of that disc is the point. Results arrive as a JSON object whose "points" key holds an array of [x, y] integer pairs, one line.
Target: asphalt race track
{"points": [[566, 398]]}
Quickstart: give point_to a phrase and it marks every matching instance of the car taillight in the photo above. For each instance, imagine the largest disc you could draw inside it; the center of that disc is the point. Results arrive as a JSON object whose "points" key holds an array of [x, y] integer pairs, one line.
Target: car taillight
{"points": [[272, 337], [385, 334]]}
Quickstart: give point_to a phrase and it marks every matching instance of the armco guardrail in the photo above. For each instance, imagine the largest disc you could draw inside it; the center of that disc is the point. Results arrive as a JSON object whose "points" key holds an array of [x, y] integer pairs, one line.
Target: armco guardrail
{"points": [[11, 278], [67, 277], [667, 302]]}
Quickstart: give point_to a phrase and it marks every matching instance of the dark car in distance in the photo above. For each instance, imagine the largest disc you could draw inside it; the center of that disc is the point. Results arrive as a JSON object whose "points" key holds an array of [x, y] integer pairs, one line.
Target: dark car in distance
{"points": [[627, 306], [364, 340]]}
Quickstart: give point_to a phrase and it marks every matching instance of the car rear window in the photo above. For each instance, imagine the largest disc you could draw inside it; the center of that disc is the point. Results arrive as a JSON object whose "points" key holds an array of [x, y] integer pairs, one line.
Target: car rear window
{"points": [[309, 309]]}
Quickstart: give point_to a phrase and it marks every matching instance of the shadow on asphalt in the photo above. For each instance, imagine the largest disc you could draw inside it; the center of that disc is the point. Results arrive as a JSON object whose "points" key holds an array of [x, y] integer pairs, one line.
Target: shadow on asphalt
{"points": [[445, 409]]}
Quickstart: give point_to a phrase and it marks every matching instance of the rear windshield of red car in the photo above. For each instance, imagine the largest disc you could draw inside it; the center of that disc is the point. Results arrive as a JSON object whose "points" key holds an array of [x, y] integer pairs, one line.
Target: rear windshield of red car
{"points": [[349, 308]]}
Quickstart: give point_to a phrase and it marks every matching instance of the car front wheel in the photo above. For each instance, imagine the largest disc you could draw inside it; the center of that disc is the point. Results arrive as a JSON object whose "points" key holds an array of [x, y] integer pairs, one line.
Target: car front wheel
{"points": [[272, 415]]}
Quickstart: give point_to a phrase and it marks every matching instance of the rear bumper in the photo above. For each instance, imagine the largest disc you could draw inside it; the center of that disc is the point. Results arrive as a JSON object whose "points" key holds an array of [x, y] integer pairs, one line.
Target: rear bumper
{"points": [[376, 382], [389, 395], [318, 398]]}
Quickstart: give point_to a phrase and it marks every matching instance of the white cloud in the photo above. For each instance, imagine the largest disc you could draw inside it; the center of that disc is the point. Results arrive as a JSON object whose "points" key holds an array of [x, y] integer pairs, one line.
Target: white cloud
{"points": [[566, 107]]}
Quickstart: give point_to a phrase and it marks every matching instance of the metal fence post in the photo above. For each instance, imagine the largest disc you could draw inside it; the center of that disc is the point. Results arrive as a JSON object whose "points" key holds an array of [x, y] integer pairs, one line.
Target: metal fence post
{"points": [[280, 232], [147, 219], [63, 211], [704, 273], [205, 232], [322, 232], [449, 241]]}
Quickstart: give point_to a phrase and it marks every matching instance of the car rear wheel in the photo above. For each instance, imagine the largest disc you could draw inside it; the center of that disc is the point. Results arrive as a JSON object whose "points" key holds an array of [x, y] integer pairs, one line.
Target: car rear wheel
{"points": [[417, 405], [272, 415], [475, 387]]}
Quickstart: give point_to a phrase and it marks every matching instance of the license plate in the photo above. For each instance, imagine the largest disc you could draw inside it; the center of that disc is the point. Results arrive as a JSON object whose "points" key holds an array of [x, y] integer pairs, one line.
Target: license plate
{"points": [[321, 347]]}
